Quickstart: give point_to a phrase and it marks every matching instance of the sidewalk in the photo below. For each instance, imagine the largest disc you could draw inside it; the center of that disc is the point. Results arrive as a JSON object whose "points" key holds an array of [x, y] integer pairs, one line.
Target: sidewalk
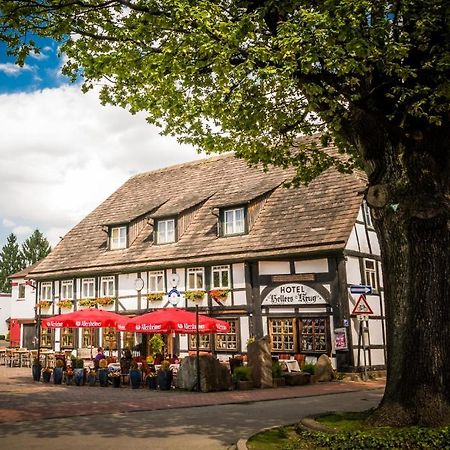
{"points": [[21, 399]]}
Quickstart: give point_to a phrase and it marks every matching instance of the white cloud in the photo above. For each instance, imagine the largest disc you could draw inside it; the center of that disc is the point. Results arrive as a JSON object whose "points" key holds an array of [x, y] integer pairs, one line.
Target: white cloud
{"points": [[63, 153], [14, 70]]}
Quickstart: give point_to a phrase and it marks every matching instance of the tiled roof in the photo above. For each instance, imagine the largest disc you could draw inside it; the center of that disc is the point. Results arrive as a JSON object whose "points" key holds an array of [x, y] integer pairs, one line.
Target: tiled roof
{"points": [[309, 219], [24, 272]]}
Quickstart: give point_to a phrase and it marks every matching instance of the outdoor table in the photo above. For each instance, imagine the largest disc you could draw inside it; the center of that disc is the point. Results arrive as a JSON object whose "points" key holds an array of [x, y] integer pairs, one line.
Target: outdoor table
{"points": [[23, 356]]}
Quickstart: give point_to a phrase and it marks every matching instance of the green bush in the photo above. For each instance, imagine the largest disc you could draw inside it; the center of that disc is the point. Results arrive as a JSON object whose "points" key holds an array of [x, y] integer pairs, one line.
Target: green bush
{"points": [[2, 337], [277, 371], [242, 373], [309, 367]]}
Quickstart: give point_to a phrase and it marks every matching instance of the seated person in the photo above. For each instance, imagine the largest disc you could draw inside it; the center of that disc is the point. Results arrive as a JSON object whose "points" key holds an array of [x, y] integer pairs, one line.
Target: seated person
{"points": [[100, 355]]}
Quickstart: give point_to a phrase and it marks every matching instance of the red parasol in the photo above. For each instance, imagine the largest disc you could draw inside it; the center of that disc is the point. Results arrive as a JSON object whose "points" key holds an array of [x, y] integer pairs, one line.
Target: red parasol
{"points": [[86, 318], [174, 320]]}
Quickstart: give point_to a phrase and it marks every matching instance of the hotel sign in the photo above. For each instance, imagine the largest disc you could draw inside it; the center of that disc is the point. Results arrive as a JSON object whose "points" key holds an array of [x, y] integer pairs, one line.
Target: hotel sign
{"points": [[292, 294]]}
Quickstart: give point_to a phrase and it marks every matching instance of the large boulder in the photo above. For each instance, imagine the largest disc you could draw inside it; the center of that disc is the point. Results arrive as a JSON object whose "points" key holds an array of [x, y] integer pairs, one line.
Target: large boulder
{"points": [[260, 361], [214, 376], [324, 370]]}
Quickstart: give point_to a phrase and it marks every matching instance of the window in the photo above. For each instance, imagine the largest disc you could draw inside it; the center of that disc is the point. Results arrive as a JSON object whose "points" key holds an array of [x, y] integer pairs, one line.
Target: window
{"points": [[156, 281], [233, 221], [22, 291], [165, 231], [89, 337], [314, 335], [128, 340], [118, 238], [282, 332], [46, 337], [66, 290], [195, 278], [67, 339], [220, 277], [88, 288], [228, 341], [46, 291], [370, 273], [367, 215], [204, 342], [109, 339], [107, 287]]}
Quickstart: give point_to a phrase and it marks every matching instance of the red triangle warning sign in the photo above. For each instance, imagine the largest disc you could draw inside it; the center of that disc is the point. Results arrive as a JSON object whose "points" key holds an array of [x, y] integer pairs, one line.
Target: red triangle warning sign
{"points": [[362, 307]]}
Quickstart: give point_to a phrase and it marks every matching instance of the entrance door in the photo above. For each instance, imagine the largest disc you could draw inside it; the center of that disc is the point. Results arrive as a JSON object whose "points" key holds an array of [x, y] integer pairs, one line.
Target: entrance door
{"points": [[29, 333]]}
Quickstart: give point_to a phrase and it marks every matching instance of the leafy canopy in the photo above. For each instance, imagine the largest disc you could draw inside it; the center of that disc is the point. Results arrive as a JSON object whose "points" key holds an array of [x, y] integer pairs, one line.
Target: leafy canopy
{"points": [[252, 75]]}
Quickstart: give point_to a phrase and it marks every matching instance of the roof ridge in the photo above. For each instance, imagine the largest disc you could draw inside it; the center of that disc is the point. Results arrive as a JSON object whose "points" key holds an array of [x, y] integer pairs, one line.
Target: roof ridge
{"points": [[184, 164]]}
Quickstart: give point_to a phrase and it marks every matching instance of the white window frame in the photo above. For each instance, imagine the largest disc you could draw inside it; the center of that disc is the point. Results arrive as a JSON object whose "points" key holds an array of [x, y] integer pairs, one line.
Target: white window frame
{"points": [[21, 286], [118, 238], [367, 215], [88, 285], [231, 225], [66, 290], [107, 286], [156, 282], [370, 274], [165, 234], [221, 270], [46, 291], [195, 286]]}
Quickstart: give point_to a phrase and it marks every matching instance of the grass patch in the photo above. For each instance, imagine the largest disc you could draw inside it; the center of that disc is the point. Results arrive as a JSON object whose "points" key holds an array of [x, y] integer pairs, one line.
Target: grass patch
{"points": [[353, 434]]}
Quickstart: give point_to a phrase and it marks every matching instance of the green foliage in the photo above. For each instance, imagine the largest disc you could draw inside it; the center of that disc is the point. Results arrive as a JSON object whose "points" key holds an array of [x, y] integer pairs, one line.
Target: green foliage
{"points": [[35, 248], [251, 76], [156, 344], [309, 368], [79, 363], [242, 373], [10, 262], [277, 370]]}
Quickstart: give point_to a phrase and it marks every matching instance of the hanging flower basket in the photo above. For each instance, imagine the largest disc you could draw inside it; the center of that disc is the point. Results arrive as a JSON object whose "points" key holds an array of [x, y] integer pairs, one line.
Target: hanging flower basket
{"points": [[65, 304], [194, 295], [155, 296], [105, 301], [219, 295], [87, 302], [44, 304]]}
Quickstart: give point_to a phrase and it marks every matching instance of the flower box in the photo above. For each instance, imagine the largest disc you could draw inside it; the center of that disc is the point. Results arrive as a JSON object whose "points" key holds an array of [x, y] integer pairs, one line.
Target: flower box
{"points": [[105, 301], [44, 304], [219, 295], [194, 295], [87, 302], [155, 296], [65, 304]]}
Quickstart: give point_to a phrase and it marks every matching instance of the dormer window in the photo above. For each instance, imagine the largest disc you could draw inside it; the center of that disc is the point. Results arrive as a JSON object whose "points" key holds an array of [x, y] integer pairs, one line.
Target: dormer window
{"points": [[165, 231], [118, 238], [234, 221]]}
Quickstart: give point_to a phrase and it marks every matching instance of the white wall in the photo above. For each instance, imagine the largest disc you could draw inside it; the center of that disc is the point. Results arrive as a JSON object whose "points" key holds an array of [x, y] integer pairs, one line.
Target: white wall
{"points": [[5, 312], [311, 266]]}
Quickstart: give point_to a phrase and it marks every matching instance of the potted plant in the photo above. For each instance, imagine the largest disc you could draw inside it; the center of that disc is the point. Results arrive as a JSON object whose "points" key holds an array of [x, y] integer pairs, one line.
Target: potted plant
{"points": [[156, 344], [165, 376], [194, 295], [58, 371], [78, 372], [67, 304], [155, 296], [115, 378], [46, 374], [103, 373], [92, 377], [242, 377], [135, 375], [36, 369], [69, 376], [219, 295]]}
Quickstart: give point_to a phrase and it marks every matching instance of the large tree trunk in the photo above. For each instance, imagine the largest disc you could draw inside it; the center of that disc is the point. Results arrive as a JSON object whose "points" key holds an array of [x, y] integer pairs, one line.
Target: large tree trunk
{"points": [[410, 204]]}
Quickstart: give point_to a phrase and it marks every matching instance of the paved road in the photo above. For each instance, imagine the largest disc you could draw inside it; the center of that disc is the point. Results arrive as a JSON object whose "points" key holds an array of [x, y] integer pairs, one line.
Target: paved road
{"points": [[210, 427], [42, 416]]}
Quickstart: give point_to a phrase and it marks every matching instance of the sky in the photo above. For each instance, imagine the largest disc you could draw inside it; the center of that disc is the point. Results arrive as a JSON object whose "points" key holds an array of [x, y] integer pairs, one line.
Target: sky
{"points": [[62, 152]]}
